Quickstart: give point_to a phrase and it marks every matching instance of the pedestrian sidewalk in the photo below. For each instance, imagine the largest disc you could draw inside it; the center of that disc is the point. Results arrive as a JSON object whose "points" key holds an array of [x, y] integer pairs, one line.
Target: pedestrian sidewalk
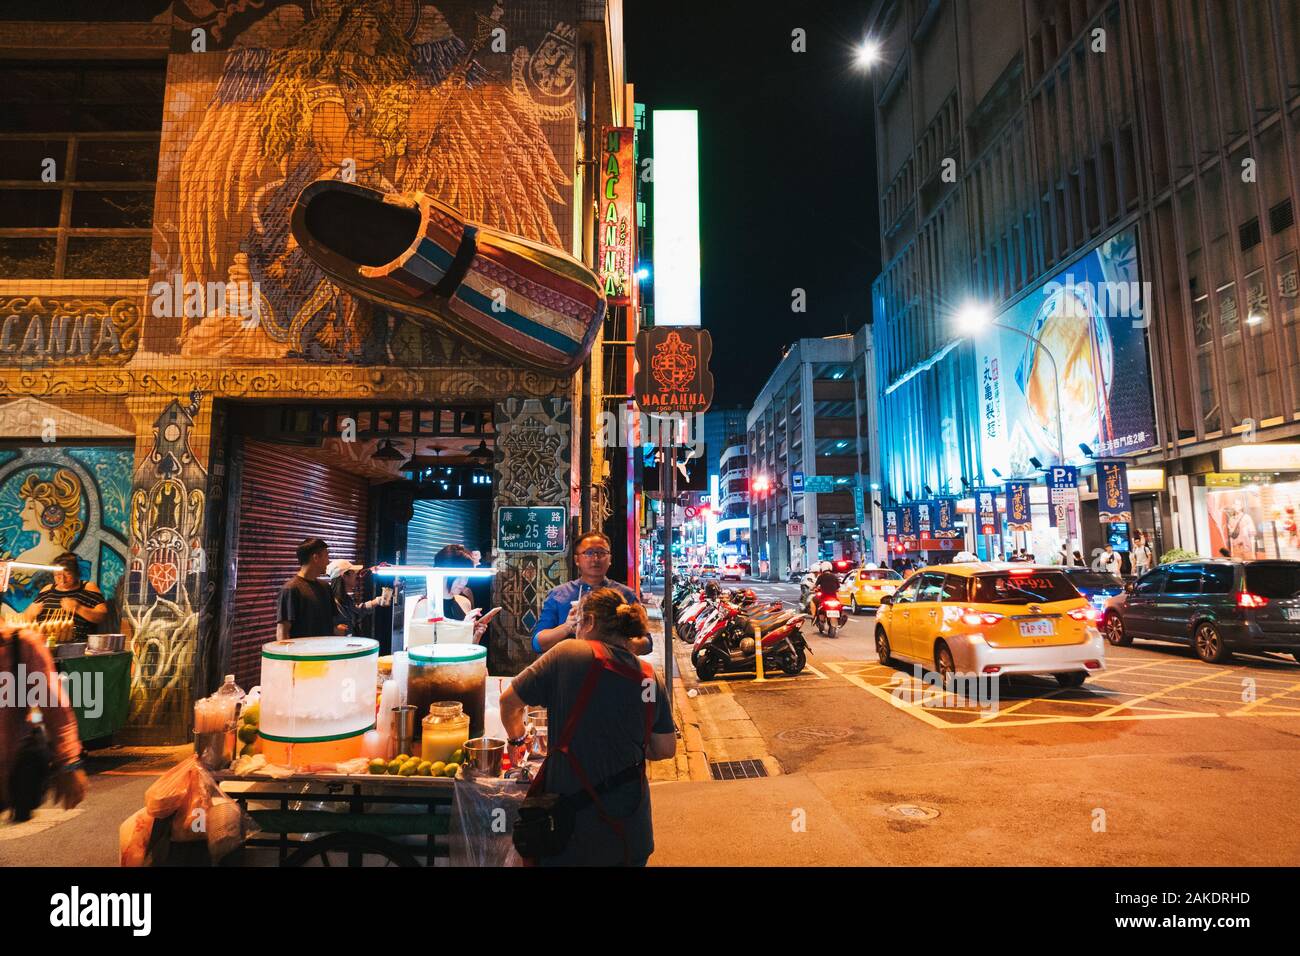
{"points": [[712, 727]]}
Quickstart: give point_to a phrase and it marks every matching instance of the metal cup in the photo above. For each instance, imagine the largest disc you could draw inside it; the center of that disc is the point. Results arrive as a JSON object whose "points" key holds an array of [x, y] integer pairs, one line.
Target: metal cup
{"points": [[404, 728], [483, 757]]}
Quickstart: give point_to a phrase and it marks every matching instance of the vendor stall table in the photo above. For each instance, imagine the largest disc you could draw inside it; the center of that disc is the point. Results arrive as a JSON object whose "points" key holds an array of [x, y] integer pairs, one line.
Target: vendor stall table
{"points": [[313, 819], [111, 697]]}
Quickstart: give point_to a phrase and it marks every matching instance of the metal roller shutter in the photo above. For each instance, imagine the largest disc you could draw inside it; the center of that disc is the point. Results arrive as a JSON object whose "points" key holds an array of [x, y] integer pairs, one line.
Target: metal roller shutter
{"points": [[438, 523], [283, 499]]}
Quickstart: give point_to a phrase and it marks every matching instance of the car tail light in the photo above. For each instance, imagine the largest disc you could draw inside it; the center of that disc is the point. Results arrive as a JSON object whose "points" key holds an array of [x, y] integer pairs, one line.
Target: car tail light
{"points": [[1092, 665], [1021, 572], [975, 618], [1246, 599], [1086, 614], [992, 668]]}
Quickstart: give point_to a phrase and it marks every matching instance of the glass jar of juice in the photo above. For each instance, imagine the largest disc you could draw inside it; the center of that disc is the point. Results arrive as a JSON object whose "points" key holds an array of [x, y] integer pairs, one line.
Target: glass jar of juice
{"points": [[444, 731]]}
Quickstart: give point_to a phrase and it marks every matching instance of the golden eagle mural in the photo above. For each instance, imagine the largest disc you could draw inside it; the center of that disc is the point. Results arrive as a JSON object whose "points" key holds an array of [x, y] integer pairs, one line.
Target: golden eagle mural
{"points": [[384, 94]]}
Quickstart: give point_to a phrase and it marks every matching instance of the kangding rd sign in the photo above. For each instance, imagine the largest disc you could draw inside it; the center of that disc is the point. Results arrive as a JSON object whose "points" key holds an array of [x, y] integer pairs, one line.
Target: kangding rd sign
{"points": [[672, 375]]}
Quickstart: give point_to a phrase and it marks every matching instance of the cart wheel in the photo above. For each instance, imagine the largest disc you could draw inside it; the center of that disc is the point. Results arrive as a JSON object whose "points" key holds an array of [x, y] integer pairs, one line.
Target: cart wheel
{"points": [[347, 850]]}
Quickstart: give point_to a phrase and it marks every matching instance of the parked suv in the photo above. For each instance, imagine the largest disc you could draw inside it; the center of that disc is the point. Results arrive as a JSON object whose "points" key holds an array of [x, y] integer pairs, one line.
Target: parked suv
{"points": [[1215, 606]]}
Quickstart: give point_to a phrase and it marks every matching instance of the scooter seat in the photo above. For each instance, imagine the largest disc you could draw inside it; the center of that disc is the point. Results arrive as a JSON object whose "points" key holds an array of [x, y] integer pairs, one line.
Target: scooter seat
{"points": [[768, 621]]}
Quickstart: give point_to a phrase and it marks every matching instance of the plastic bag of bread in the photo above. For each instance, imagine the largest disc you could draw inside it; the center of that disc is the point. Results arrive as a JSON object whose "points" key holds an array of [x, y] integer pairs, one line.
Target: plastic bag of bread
{"points": [[133, 839], [166, 794]]}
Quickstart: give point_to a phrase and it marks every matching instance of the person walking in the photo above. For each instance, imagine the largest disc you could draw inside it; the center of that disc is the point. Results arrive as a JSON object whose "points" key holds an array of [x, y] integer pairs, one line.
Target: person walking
{"points": [[306, 607], [1107, 561], [559, 618], [69, 595], [611, 714], [1142, 556], [23, 656]]}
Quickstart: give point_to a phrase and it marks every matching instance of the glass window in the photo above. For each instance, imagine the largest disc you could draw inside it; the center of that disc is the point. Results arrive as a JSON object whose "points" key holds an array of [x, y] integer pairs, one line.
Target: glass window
{"points": [[931, 587], [1027, 588], [1216, 579], [1262, 347], [1274, 581], [955, 588], [1150, 583], [1288, 297], [907, 593], [1184, 579]]}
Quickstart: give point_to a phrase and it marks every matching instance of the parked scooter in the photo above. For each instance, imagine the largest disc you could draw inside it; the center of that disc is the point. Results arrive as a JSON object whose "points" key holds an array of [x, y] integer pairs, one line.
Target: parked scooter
{"points": [[730, 641]]}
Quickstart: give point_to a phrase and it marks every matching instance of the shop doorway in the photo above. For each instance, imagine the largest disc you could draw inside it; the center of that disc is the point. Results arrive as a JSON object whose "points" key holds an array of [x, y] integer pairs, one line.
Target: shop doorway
{"points": [[378, 483]]}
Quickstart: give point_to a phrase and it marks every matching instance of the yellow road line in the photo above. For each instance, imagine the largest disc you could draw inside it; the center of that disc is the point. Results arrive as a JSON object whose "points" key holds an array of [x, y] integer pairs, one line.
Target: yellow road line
{"points": [[1156, 695], [1254, 704]]}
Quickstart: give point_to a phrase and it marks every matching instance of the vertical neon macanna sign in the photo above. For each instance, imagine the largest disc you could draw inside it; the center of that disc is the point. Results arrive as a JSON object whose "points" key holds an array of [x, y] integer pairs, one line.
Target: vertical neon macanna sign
{"points": [[617, 228]]}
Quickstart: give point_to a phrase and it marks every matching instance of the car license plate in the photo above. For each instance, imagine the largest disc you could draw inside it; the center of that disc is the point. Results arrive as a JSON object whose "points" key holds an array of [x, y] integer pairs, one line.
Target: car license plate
{"points": [[1293, 614], [1037, 628]]}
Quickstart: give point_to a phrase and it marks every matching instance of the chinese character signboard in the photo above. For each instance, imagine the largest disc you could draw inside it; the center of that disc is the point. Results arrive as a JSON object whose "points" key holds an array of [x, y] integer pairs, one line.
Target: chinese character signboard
{"points": [[617, 228], [923, 519], [1018, 514], [531, 529], [818, 484], [1063, 493], [1112, 492], [672, 375], [945, 518], [986, 509], [891, 525], [907, 525], [859, 511]]}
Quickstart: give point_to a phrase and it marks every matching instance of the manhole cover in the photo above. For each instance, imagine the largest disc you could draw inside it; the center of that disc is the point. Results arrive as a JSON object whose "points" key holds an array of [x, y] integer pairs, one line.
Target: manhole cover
{"points": [[737, 769], [912, 812], [813, 735]]}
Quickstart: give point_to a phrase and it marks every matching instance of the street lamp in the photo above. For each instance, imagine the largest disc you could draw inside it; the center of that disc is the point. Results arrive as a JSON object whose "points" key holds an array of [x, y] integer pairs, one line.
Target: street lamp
{"points": [[868, 53], [973, 317]]}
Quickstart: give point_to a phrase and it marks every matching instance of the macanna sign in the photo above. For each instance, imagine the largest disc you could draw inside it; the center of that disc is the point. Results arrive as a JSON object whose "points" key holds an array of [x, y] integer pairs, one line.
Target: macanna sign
{"points": [[672, 374]]}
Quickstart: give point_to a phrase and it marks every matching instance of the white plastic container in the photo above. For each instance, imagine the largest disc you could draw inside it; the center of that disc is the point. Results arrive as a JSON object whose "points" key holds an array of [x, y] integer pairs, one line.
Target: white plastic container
{"points": [[318, 689]]}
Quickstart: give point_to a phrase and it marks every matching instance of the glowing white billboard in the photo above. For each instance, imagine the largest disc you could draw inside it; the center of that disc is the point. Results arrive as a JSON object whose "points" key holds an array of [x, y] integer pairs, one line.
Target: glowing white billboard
{"points": [[676, 217]]}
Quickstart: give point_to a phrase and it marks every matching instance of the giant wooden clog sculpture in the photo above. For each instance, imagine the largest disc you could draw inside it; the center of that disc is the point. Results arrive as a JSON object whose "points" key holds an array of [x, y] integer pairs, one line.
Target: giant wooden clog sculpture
{"points": [[413, 254]]}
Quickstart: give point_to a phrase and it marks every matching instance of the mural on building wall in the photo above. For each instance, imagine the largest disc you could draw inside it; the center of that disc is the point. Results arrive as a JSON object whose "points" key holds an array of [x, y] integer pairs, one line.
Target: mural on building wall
{"points": [[533, 468], [166, 569], [55, 499], [468, 101]]}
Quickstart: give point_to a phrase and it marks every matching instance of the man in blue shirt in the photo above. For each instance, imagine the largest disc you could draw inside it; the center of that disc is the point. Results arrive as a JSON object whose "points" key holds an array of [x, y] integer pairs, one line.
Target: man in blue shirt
{"points": [[559, 619]]}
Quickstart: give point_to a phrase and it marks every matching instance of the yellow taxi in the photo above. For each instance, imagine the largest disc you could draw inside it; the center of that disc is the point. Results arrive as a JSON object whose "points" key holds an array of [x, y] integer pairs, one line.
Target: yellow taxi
{"points": [[992, 620], [866, 586]]}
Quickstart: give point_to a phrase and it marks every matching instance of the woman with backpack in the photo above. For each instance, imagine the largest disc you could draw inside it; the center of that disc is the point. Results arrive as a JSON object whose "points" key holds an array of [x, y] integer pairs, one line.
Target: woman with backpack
{"points": [[607, 714]]}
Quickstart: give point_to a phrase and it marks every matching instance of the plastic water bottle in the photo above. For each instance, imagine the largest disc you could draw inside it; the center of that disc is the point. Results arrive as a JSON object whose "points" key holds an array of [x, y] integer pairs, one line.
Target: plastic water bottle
{"points": [[230, 695]]}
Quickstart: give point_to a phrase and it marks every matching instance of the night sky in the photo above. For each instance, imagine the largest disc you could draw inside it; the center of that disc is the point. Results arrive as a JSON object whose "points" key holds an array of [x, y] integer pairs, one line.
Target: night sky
{"points": [[787, 178]]}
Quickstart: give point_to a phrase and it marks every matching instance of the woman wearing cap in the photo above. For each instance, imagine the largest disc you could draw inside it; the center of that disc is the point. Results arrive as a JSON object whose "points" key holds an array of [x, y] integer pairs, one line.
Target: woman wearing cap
{"points": [[349, 614], [69, 595]]}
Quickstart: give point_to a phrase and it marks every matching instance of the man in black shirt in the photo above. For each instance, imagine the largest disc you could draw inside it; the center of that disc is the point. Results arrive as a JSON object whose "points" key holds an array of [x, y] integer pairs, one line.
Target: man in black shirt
{"points": [[306, 604]]}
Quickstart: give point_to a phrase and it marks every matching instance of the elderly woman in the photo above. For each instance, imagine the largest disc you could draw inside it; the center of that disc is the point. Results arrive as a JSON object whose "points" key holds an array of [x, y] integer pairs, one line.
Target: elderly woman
{"points": [[69, 595], [623, 722]]}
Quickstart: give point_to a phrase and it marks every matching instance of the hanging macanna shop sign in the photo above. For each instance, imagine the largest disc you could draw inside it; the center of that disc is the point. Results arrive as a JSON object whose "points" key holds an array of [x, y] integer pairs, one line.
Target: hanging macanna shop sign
{"points": [[617, 231], [672, 375]]}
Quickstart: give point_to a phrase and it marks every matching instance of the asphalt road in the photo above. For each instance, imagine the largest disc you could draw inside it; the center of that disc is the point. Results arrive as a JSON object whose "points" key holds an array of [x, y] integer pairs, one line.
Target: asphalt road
{"points": [[1159, 760]]}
